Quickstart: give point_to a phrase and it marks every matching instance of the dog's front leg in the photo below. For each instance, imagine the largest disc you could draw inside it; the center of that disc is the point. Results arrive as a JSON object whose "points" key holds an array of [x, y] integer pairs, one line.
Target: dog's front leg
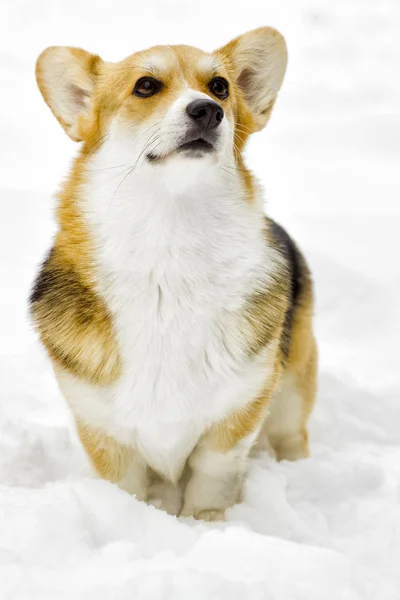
{"points": [[114, 461], [218, 463]]}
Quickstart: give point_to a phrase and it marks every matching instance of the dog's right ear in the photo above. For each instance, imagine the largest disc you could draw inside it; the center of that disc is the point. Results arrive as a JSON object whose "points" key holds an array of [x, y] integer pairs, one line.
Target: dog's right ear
{"points": [[66, 78]]}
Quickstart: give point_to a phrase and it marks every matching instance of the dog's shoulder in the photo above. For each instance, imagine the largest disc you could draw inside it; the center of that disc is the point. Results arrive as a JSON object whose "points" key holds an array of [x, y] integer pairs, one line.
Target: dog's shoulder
{"points": [[300, 282], [73, 322]]}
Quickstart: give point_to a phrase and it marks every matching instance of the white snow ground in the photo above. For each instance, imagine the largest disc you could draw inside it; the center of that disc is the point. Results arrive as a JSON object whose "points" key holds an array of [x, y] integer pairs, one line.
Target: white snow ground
{"points": [[326, 528]]}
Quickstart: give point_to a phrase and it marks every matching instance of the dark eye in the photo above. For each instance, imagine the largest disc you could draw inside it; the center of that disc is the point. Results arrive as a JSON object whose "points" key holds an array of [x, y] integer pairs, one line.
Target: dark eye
{"points": [[147, 86], [219, 87]]}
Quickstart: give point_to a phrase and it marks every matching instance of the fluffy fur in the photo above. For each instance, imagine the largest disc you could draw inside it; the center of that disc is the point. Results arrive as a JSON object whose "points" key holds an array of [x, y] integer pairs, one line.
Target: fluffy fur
{"points": [[177, 316]]}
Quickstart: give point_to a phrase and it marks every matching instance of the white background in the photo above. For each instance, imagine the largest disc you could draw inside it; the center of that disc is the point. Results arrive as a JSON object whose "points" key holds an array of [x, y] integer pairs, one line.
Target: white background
{"points": [[325, 528]]}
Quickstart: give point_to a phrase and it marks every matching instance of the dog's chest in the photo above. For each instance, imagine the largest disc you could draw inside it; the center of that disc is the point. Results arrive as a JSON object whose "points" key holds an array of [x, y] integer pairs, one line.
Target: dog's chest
{"points": [[175, 282]]}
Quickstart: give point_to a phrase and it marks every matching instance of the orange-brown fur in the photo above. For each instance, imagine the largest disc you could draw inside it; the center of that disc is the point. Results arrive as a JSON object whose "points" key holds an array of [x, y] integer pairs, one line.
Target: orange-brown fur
{"points": [[74, 323], [301, 368], [264, 315], [109, 458], [303, 357]]}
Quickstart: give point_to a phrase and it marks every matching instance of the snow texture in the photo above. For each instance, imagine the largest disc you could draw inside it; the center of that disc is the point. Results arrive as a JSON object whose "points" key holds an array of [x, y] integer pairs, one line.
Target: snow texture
{"points": [[326, 528]]}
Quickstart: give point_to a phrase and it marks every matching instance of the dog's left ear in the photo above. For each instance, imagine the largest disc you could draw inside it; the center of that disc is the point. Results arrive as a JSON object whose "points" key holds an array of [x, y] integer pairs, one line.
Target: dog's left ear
{"points": [[258, 59]]}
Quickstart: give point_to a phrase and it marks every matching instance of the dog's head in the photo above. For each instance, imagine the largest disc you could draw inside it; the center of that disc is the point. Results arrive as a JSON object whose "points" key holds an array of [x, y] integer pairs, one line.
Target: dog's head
{"points": [[168, 103]]}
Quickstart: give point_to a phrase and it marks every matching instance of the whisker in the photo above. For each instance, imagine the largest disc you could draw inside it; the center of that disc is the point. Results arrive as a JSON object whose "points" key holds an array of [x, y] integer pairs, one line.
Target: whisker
{"points": [[130, 170], [151, 127], [235, 168], [226, 171], [243, 129], [108, 168], [122, 181]]}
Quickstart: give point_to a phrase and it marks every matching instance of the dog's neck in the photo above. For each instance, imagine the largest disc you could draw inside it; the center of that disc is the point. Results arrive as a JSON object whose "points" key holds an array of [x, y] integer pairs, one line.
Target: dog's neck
{"points": [[133, 185], [147, 212], [133, 211]]}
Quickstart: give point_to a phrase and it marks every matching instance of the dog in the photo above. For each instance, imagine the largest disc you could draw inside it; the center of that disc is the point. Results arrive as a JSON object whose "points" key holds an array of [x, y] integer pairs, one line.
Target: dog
{"points": [[177, 316]]}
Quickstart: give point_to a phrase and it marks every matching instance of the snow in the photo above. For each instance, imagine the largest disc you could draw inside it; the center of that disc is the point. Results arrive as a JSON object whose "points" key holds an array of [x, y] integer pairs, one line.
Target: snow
{"points": [[323, 528]]}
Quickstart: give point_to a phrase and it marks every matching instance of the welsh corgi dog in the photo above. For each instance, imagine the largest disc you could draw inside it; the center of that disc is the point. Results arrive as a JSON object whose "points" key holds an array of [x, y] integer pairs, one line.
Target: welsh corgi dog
{"points": [[177, 316]]}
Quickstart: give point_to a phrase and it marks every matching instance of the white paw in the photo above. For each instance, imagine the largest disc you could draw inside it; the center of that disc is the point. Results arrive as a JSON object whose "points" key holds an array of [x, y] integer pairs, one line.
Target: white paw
{"points": [[210, 514], [204, 514], [165, 496]]}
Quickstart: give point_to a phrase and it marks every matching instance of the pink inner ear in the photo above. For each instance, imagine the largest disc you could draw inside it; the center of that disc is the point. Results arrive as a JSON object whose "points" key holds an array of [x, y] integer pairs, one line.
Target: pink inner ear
{"points": [[245, 78], [78, 96], [246, 82]]}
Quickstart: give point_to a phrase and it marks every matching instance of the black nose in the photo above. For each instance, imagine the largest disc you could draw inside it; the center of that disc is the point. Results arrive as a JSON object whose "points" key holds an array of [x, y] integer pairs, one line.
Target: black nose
{"points": [[207, 113]]}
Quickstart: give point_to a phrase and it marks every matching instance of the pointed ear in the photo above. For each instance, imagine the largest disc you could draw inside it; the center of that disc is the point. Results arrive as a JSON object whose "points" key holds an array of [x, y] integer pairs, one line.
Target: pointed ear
{"points": [[258, 59], [66, 78]]}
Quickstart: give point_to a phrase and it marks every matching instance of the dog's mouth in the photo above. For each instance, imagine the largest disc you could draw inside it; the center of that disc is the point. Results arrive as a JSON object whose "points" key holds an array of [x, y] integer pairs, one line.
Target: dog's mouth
{"points": [[198, 145], [194, 148]]}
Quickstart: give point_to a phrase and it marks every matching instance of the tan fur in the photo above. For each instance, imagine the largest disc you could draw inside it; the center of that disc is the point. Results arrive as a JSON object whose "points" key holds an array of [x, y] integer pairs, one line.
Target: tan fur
{"points": [[109, 458], [74, 323], [114, 461], [303, 357], [264, 314], [286, 427]]}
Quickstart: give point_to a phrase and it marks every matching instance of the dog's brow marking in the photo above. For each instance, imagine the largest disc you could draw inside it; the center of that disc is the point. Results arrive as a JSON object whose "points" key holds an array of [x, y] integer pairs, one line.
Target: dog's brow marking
{"points": [[155, 63], [206, 64]]}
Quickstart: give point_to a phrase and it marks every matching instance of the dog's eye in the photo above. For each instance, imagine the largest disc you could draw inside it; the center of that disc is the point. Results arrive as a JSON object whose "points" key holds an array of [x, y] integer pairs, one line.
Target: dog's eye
{"points": [[147, 86], [219, 87]]}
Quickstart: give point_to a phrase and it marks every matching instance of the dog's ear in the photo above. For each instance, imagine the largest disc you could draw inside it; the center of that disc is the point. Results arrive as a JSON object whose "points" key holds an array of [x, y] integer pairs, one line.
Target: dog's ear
{"points": [[67, 78], [258, 59]]}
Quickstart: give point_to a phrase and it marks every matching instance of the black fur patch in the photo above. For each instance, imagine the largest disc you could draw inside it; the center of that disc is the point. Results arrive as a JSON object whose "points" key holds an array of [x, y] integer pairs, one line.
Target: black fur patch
{"points": [[43, 281], [64, 311], [295, 263], [59, 287]]}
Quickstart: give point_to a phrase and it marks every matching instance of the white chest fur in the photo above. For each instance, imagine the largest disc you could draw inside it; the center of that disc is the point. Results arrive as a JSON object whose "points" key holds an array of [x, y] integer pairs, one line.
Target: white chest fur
{"points": [[176, 261]]}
